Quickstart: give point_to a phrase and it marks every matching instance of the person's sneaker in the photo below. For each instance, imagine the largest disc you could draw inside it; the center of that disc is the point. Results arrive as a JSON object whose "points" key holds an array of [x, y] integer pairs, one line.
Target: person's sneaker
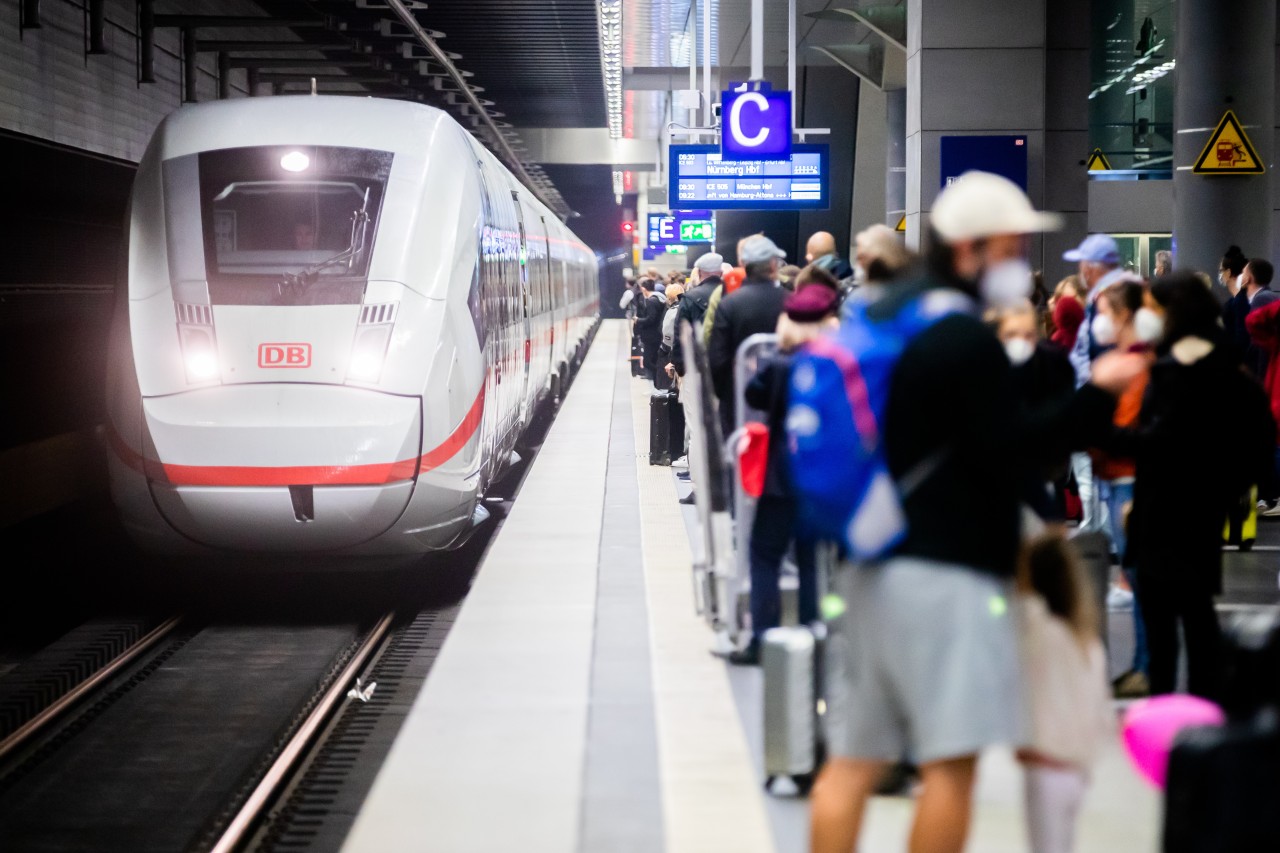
{"points": [[1271, 512], [688, 499], [749, 656], [682, 462], [683, 475], [1131, 685], [1119, 599]]}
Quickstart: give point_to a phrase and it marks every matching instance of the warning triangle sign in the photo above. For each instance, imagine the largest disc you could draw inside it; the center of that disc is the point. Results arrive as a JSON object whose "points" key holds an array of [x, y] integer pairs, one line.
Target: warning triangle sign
{"points": [[902, 224], [1229, 151], [1098, 162]]}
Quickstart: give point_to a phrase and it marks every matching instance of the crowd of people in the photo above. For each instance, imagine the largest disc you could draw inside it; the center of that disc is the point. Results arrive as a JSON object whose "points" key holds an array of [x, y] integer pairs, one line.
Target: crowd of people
{"points": [[1010, 411]]}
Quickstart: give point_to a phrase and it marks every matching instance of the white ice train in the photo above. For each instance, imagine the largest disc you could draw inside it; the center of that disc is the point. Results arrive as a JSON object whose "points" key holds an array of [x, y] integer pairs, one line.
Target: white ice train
{"points": [[339, 313]]}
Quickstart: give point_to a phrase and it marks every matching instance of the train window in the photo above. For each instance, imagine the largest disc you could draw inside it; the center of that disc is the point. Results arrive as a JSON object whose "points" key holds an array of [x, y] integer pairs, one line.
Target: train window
{"points": [[290, 225]]}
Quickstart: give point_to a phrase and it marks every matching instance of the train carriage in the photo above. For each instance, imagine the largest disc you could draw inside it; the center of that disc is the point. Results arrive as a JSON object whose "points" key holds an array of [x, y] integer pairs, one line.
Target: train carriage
{"points": [[337, 317]]}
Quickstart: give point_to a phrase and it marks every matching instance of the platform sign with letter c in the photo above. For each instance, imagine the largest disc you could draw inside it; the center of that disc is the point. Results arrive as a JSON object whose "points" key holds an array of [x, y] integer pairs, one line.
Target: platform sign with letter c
{"points": [[755, 123]]}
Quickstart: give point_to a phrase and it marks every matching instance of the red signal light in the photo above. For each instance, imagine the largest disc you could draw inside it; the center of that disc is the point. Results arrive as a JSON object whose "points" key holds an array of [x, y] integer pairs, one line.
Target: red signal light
{"points": [[628, 227]]}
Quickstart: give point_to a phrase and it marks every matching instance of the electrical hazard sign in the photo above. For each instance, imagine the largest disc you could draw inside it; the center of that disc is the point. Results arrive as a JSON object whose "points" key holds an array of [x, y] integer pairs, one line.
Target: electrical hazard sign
{"points": [[1098, 162], [1229, 151]]}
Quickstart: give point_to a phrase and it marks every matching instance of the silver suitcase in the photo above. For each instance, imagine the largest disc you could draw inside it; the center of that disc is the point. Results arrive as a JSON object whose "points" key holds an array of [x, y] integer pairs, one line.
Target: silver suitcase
{"points": [[791, 660]]}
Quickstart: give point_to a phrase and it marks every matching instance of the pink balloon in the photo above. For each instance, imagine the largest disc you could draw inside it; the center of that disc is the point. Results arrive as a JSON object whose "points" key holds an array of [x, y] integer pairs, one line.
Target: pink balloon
{"points": [[1151, 725]]}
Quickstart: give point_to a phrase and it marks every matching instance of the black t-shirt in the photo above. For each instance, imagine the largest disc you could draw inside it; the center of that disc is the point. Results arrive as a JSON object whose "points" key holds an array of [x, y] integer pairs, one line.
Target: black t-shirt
{"points": [[953, 395]]}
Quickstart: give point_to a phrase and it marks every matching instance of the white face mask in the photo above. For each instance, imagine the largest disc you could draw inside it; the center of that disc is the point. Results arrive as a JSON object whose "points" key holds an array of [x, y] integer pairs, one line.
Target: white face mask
{"points": [[1103, 332], [859, 275], [1148, 325], [1019, 350], [1006, 284]]}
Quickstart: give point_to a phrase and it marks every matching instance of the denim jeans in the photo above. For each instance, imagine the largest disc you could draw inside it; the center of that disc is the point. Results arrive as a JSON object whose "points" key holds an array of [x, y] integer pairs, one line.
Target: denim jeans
{"points": [[1115, 495], [771, 535], [1093, 511]]}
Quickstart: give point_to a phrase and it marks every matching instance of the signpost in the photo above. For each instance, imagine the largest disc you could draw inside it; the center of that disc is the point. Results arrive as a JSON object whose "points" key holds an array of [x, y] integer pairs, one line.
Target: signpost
{"points": [[680, 227], [1001, 155], [756, 123]]}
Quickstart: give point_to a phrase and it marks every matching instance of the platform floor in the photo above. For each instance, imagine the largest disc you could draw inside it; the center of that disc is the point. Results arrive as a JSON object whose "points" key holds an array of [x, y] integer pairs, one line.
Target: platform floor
{"points": [[575, 705]]}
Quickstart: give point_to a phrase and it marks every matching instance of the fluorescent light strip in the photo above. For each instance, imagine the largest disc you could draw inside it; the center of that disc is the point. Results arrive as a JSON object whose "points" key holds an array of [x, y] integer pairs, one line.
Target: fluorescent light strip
{"points": [[609, 13]]}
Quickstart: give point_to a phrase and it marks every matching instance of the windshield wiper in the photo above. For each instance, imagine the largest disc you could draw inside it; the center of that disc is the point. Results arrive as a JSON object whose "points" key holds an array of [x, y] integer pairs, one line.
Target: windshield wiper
{"points": [[307, 276]]}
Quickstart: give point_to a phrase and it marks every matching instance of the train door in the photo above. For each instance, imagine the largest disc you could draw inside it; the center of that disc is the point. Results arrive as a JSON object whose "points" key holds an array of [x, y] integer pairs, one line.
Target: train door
{"points": [[524, 308], [555, 305]]}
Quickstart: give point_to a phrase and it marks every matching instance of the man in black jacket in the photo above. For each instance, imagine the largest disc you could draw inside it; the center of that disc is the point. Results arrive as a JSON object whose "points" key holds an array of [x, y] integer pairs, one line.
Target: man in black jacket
{"points": [[751, 309], [924, 658], [693, 306], [650, 309]]}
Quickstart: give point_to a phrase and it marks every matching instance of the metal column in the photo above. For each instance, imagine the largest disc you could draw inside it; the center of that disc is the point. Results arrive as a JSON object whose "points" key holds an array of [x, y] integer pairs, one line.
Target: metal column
{"points": [[1222, 66]]}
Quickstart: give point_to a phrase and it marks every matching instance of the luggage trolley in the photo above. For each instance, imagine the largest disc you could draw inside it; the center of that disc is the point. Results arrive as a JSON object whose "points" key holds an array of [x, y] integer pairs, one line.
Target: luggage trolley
{"points": [[713, 561], [746, 363]]}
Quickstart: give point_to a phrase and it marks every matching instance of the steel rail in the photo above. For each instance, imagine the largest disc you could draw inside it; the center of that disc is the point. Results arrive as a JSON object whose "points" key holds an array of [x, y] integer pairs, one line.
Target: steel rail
{"points": [[500, 140], [39, 721], [243, 823]]}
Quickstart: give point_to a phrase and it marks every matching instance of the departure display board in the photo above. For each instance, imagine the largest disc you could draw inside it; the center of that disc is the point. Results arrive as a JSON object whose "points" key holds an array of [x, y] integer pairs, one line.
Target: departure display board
{"points": [[700, 178]]}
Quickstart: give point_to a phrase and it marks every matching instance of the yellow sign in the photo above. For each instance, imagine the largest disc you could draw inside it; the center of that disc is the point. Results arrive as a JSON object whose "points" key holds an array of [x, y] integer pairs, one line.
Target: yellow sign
{"points": [[902, 225], [1229, 151], [1098, 162]]}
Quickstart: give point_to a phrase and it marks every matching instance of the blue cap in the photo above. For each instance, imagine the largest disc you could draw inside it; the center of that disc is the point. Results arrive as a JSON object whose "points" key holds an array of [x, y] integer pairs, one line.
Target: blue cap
{"points": [[659, 288], [1098, 248]]}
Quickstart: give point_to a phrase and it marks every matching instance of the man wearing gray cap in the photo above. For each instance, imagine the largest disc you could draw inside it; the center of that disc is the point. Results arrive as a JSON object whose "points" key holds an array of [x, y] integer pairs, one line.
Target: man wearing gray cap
{"points": [[751, 309], [693, 307]]}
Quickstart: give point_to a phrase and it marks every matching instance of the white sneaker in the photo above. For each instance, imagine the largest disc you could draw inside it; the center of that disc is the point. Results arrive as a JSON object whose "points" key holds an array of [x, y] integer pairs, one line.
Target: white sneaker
{"points": [[682, 462], [1273, 512], [1119, 599]]}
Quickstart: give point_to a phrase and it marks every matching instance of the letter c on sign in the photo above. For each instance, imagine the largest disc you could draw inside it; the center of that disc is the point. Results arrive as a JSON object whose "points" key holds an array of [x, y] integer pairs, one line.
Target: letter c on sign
{"points": [[735, 119]]}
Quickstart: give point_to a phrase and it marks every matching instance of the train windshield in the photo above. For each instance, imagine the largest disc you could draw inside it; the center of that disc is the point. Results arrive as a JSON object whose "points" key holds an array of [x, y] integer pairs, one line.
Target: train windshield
{"points": [[290, 225]]}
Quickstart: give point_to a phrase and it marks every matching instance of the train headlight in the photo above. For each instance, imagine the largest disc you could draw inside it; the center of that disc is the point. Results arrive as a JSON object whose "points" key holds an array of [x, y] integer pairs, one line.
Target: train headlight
{"points": [[199, 354], [368, 353], [295, 161]]}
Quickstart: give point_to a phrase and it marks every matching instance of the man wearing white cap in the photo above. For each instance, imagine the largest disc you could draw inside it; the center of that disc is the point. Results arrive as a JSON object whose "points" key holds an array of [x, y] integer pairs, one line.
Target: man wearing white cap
{"points": [[693, 307], [923, 661], [751, 309]]}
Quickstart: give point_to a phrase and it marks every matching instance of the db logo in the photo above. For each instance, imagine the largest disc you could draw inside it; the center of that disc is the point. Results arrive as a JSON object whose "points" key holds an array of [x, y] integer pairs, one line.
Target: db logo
{"points": [[284, 355]]}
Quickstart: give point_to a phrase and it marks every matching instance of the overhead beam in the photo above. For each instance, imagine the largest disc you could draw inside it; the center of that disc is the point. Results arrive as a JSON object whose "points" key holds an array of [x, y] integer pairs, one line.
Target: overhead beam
{"points": [[588, 146]]}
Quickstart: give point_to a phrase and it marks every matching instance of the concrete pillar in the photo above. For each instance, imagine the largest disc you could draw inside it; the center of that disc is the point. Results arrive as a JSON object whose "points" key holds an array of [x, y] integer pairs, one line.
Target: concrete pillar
{"points": [[1066, 130], [869, 157], [973, 67], [895, 179], [1224, 63]]}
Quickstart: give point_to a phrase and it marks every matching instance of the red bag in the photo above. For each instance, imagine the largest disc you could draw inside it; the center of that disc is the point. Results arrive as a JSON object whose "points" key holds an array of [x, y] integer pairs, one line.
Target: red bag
{"points": [[753, 458]]}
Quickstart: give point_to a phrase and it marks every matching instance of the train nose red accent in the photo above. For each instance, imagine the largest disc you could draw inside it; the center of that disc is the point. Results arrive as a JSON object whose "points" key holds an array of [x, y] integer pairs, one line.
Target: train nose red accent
{"points": [[528, 350]]}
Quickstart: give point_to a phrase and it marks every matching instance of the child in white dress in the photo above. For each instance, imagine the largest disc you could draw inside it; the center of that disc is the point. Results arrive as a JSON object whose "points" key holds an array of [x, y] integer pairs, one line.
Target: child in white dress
{"points": [[1068, 698]]}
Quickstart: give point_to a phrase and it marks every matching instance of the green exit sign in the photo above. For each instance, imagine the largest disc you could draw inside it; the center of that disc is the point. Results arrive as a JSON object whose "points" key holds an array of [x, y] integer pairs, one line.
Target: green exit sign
{"points": [[695, 231]]}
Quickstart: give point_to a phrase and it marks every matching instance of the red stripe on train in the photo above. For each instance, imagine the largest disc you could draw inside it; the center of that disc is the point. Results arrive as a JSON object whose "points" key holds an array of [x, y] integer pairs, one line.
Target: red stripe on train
{"points": [[374, 474]]}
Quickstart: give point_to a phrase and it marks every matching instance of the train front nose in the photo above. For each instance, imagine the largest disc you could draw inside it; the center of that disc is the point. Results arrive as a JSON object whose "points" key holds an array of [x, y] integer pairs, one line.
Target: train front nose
{"points": [[283, 467]]}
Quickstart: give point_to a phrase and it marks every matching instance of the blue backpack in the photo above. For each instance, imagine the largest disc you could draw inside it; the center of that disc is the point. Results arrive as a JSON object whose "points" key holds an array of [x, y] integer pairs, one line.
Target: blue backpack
{"points": [[839, 390]]}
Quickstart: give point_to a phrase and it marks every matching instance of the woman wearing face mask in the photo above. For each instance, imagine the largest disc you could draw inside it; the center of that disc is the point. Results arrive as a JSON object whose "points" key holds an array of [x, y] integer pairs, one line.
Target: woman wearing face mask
{"points": [[1043, 380], [1124, 322], [1184, 486]]}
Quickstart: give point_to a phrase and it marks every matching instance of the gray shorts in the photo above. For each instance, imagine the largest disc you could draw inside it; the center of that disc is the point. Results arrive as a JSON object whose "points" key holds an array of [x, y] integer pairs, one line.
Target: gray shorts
{"points": [[923, 663]]}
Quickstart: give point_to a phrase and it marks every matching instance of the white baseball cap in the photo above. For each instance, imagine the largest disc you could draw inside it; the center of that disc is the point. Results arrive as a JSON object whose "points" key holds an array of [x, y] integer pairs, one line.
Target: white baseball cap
{"points": [[980, 204]]}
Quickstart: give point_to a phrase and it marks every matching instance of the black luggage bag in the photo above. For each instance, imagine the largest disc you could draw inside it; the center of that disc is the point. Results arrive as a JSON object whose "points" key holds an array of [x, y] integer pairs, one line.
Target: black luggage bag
{"points": [[1223, 785], [666, 428], [1223, 788], [637, 355]]}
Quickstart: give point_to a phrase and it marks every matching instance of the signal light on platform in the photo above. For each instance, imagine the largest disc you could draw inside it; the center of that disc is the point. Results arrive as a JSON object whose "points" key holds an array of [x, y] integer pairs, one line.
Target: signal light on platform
{"points": [[628, 227]]}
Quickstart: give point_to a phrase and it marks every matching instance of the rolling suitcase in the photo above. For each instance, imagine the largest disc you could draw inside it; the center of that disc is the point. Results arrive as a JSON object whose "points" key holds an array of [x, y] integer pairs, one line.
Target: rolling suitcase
{"points": [[661, 404], [1094, 550], [675, 429], [637, 355], [791, 658], [1242, 522], [1222, 788]]}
